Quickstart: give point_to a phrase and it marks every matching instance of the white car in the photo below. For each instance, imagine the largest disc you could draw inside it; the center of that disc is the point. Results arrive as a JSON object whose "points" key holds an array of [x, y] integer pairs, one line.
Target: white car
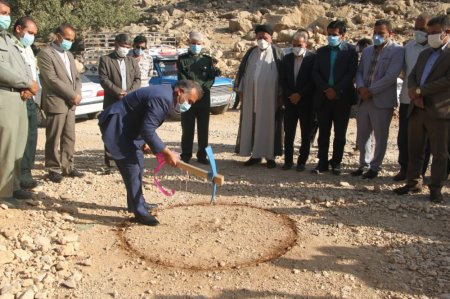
{"points": [[91, 97]]}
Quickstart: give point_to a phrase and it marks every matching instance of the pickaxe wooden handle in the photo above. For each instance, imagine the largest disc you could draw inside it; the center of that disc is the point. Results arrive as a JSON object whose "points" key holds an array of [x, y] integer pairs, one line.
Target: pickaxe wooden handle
{"points": [[201, 173]]}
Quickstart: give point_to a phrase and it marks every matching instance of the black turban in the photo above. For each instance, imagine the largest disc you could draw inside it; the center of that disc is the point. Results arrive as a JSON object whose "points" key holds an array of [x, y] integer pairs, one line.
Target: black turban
{"points": [[264, 28]]}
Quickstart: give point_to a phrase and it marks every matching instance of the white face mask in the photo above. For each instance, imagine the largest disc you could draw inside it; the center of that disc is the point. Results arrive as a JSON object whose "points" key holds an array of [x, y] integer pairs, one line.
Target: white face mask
{"points": [[435, 41], [262, 44], [122, 51], [420, 37], [298, 51]]}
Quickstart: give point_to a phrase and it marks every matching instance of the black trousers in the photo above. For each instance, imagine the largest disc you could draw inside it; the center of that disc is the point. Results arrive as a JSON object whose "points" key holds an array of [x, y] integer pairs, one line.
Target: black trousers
{"points": [[188, 128], [332, 113], [293, 115]]}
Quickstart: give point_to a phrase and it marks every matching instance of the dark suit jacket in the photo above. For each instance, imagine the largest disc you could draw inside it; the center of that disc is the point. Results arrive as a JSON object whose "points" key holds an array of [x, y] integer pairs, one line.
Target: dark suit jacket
{"points": [[58, 90], [344, 73], [304, 84], [436, 89], [127, 124], [111, 80]]}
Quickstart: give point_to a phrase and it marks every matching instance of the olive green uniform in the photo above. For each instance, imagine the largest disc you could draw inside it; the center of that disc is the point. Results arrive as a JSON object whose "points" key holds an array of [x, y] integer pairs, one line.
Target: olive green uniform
{"points": [[198, 68]]}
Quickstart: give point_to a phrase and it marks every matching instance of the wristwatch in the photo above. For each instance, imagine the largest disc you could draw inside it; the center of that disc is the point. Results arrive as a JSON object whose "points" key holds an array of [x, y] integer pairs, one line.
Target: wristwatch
{"points": [[418, 91]]}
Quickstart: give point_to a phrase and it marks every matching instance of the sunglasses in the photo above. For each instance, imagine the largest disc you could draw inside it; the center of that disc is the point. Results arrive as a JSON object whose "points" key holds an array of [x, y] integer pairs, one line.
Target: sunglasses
{"points": [[141, 48]]}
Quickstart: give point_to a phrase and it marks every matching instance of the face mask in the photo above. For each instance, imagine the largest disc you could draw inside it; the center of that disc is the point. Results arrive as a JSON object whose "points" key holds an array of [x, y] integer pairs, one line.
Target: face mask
{"points": [[435, 41], [333, 41], [138, 52], [27, 40], [122, 52], [262, 44], [185, 106], [420, 37], [378, 40], [298, 51], [66, 45], [5, 22], [196, 49]]}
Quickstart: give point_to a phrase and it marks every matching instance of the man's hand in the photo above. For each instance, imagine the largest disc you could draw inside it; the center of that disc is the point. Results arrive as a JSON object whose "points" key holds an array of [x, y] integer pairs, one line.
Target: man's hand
{"points": [[413, 94], [76, 100], [122, 94], [418, 102], [34, 88], [26, 94], [170, 157], [330, 93], [241, 96], [146, 149], [364, 93], [295, 98]]}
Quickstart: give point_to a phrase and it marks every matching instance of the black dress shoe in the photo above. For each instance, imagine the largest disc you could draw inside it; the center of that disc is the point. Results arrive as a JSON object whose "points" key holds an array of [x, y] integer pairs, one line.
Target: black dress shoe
{"points": [[300, 167], [407, 189], [319, 170], [287, 165], [28, 184], [336, 170], [109, 170], [252, 161], [436, 196], [10, 202], [271, 164], [148, 206], [147, 220], [400, 176], [370, 174], [203, 161], [22, 194], [75, 173], [358, 172], [55, 177]]}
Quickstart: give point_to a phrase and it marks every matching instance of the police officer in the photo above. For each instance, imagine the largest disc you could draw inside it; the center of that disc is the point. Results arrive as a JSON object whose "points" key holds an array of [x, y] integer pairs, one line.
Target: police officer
{"points": [[197, 67]]}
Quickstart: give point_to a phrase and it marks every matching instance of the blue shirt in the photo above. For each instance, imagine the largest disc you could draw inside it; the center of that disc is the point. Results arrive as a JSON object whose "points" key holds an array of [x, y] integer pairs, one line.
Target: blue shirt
{"points": [[429, 65], [333, 56]]}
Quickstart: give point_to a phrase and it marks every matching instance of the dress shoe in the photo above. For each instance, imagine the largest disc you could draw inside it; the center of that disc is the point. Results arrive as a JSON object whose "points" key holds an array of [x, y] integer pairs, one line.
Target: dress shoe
{"points": [[336, 170], [147, 220], [55, 177], [408, 189], [319, 170], [28, 184], [11, 202], [300, 167], [185, 160], [109, 170], [358, 172], [22, 194], [370, 174], [271, 164], [252, 161], [436, 196], [287, 166], [203, 161], [148, 206], [75, 173], [400, 176]]}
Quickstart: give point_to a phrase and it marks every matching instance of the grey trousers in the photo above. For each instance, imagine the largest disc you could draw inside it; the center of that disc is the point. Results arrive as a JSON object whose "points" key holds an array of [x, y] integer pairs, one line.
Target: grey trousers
{"points": [[377, 120], [60, 141], [13, 138], [419, 126]]}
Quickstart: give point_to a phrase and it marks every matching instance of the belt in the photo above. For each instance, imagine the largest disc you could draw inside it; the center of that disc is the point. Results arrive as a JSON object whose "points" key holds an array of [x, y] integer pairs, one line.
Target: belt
{"points": [[11, 89]]}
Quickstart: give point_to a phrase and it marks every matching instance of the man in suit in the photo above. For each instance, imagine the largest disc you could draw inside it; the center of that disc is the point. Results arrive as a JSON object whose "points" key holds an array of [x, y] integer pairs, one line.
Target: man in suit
{"points": [[119, 74], [333, 72], [298, 87], [129, 124], [16, 86], [429, 111], [376, 81], [61, 93]]}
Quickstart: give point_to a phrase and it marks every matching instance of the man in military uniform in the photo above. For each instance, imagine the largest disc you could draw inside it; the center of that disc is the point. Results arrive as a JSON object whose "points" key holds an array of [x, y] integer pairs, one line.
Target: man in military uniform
{"points": [[197, 67], [16, 86]]}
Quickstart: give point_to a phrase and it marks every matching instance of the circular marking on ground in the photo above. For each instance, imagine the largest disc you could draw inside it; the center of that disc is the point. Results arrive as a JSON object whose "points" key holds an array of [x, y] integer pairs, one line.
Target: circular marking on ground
{"points": [[207, 237]]}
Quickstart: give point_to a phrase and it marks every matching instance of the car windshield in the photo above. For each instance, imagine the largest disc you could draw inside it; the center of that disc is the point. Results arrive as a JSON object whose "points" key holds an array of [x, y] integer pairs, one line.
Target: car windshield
{"points": [[89, 78], [168, 67]]}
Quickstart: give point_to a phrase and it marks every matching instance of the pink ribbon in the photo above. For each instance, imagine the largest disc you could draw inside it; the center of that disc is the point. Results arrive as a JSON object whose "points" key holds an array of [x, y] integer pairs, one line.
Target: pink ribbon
{"points": [[161, 161]]}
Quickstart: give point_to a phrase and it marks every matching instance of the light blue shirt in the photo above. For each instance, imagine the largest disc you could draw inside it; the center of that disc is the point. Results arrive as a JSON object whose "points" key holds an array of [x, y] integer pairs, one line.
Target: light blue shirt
{"points": [[429, 65]]}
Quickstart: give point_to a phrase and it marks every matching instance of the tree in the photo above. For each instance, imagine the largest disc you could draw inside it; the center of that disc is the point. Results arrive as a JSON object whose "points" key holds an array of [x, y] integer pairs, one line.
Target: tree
{"points": [[82, 14]]}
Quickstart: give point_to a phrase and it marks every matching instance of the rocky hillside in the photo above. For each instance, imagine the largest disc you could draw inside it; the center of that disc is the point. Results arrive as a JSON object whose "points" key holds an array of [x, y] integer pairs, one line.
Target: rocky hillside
{"points": [[228, 24]]}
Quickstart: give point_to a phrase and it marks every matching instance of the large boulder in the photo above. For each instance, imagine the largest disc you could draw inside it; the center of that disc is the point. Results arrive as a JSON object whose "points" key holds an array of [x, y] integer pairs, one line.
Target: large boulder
{"points": [[395, 6], [294, 18], [286, 35], [243, 25]]}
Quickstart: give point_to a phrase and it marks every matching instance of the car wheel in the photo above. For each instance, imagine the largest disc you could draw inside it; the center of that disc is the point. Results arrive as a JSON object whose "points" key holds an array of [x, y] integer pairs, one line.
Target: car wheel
{"points": [[41, 118], [219, 110], [93, 115]]}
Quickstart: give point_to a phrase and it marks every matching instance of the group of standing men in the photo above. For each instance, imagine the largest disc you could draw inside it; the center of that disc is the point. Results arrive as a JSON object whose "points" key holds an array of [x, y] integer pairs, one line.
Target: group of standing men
{"points": [[327, 83]]}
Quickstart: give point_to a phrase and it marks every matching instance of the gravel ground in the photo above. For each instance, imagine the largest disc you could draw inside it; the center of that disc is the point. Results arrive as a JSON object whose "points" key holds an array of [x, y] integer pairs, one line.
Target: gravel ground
{"points": [[351, 238]]}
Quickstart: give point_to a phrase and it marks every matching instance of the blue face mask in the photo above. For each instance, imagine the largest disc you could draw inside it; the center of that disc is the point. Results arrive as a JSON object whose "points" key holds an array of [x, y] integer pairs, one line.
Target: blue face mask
{"points": [[196, 49], [66, 45], [27, 40], [138, 52], [5, 22], [333, 41], [185, 106], [378, 40]]}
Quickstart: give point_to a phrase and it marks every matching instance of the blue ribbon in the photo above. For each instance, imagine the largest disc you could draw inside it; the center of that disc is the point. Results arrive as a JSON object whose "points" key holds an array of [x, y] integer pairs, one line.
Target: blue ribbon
{"points": [[212, 173]]}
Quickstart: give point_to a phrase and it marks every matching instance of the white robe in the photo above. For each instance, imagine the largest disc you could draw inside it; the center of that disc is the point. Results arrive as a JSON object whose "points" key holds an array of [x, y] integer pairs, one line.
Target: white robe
{"points": [[260, 90]]}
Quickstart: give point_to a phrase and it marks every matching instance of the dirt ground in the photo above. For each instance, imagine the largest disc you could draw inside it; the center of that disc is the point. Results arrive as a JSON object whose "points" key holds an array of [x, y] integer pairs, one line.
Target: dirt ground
{"points": [[272, 233]]}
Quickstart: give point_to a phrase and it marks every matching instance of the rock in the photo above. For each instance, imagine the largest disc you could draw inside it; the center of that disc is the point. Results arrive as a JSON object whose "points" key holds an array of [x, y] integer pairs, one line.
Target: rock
{"points": [[61, 265], [4, 206], [302, 16], [344, 184], [444, 296], [26, 240], [243, 25], [6, 257], [21, 254], [393, 206], [286, 35], [69, 283], [296, 271], [395, 6], [222, 264], [42, 243], [28, 294], [7, 296]]}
